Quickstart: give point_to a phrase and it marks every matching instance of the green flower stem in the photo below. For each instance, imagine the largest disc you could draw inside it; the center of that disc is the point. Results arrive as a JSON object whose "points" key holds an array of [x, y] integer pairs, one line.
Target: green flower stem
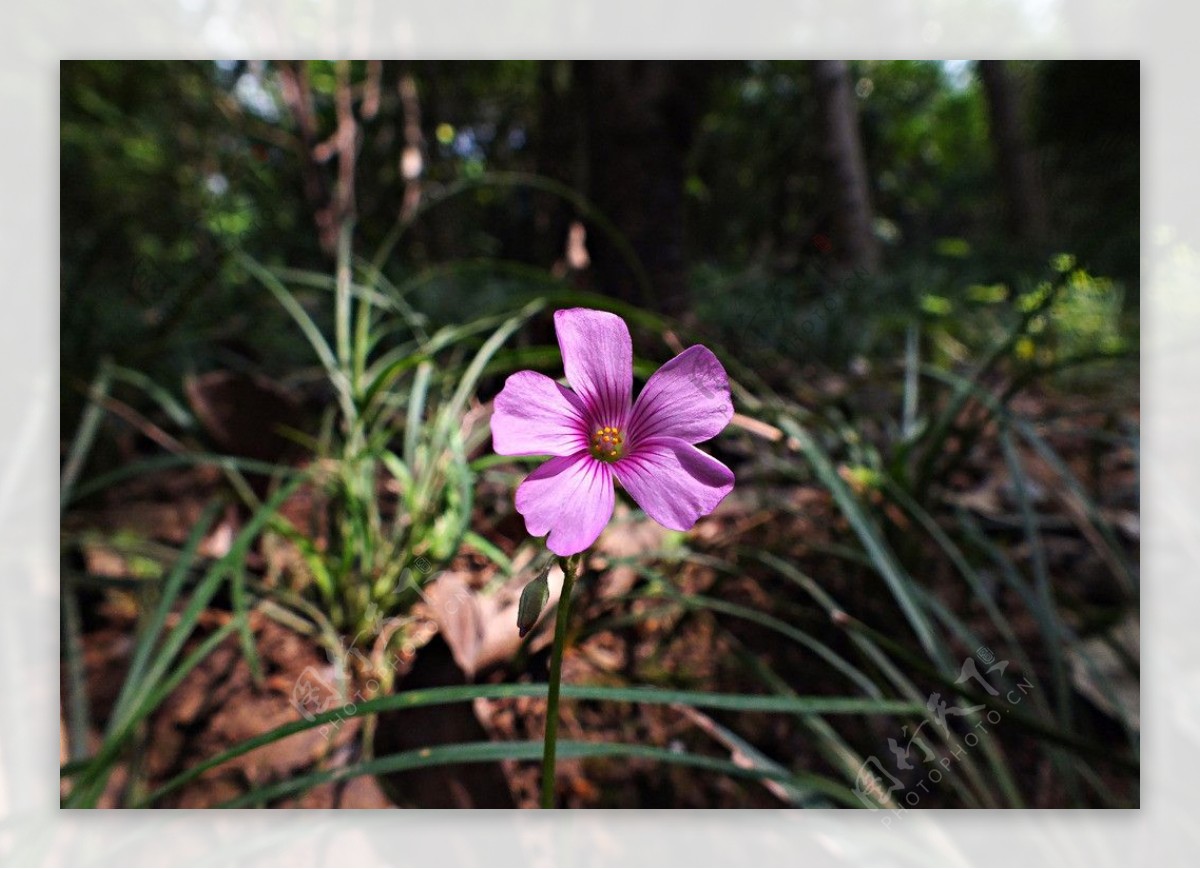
{"points": [[569, 568]]}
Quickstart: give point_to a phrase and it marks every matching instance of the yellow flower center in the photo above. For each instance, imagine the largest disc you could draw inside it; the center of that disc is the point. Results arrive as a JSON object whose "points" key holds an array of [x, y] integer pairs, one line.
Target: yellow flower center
{"points": [[607, 444]]}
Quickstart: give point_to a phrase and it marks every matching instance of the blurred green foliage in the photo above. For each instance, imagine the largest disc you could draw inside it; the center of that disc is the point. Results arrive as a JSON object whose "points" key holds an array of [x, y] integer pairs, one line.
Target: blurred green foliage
{"points": [[160, 173], [169, 166]]}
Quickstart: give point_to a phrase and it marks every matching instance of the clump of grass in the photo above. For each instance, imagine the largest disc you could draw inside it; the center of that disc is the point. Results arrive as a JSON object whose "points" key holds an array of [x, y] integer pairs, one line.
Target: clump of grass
{"points": [[397, 432]]}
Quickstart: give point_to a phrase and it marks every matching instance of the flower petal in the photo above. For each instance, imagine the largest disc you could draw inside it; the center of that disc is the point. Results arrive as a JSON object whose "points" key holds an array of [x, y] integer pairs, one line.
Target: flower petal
{"points": [[674, 482], [597, 355], [534, 416], [571, 497], [688, 398]]}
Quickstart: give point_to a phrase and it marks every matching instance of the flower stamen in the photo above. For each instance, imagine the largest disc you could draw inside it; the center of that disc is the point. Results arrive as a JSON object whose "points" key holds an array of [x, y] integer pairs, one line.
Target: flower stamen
{"points": [[607, 444]]}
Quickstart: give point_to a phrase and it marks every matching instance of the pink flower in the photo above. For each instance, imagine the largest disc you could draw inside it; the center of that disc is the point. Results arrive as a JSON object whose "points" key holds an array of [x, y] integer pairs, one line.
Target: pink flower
{"points": [[596, 433]]}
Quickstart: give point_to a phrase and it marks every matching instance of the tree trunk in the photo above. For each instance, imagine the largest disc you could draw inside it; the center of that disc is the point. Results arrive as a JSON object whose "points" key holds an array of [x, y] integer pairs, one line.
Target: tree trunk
{"points": [[1025, 205], [640, 121], [854, 242]]}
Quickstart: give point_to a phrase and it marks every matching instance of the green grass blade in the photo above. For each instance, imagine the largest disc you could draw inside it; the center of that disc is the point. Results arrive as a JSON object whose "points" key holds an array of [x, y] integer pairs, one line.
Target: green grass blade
{"points": [[178, 414], [1042, 585], [821, 650], [464, 693], [329, 359], [343, 301], [490, 550], [415, 419], [159, 463], [79, 715], [149, 638], [483, 752], [241, 618], [897, 579], [85, 435]]}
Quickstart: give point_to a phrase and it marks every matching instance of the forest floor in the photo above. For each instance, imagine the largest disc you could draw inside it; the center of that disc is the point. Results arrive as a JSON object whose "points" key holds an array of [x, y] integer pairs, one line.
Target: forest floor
{"points": [[624, 633]]}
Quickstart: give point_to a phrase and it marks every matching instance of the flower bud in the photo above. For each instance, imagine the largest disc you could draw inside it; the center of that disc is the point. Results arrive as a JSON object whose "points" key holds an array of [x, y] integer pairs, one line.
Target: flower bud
{"points": [[533, 601]]}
